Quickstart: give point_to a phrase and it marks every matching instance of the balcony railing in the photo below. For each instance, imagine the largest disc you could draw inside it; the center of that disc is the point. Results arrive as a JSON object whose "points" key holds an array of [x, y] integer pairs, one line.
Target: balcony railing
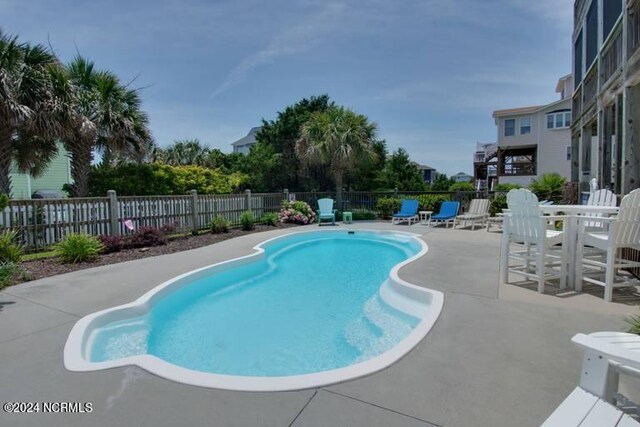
{"points": [[590, 86], [518, 168], [633, 28], [576, 106], [479, 157], [611, 58]]}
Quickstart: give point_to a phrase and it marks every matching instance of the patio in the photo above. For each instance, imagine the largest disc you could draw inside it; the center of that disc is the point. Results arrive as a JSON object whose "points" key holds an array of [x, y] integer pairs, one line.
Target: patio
{"points": [[498, 355]]}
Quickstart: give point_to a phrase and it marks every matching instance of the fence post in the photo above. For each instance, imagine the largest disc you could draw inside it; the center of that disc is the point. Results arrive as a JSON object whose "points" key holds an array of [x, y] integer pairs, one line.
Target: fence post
{"points": [[194, 212], [286, 194], [395, 193], [114, 229], [247, 195]]}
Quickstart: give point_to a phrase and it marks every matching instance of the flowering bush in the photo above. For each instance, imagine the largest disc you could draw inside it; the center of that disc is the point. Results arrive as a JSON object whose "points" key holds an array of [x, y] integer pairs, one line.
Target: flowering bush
{"points": [[297, 212]]}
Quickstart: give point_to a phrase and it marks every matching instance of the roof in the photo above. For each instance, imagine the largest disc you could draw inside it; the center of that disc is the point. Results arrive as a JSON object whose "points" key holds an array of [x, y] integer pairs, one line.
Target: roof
{"points": [[462, 174], [423, 167], [249, 139], [516, 111]]}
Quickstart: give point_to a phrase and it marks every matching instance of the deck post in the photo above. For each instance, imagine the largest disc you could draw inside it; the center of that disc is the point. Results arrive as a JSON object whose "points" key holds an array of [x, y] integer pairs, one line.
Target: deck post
{"points": [[395, 193], [247, 203], [194, 212], [286, 194], [114, 230]]}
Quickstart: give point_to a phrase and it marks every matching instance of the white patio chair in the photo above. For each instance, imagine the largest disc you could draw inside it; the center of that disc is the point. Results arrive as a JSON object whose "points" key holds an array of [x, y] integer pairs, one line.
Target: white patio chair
{"points": [[526, 228], [603, 256], [594, 401], [478, 211], [602, 197]]}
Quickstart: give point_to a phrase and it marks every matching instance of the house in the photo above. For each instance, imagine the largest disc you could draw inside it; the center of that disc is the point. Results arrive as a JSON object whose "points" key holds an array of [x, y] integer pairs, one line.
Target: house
{"points": [[606, 101], [485, 165], [429, 174], [462, 177], [244, 144], [57, 173], [535, 140]]}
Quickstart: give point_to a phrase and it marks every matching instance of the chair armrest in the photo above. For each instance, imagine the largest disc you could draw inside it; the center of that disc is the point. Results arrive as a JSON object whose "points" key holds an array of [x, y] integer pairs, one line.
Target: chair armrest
{"points": [[613, 352]]}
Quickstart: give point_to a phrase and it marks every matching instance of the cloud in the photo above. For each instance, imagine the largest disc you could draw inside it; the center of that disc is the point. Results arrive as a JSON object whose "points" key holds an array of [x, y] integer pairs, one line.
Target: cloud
{"points": [[300, 38]]}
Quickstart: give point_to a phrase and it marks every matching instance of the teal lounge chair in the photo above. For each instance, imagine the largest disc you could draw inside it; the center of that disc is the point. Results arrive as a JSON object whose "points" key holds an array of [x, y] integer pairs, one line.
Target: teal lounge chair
{"points": [[447, 214], [326, 211], [408, 212]]}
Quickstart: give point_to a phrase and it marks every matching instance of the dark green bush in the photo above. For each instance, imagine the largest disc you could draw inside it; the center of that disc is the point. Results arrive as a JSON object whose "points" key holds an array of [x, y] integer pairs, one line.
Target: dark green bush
{"points": [[507, 187], [8, 270], [247, 220], [386, 206], [634, 324], [219, 225], [363, 214], [462, 186], [549, 187], [498, 203], [78, 247], [4, 201], [10, 250], [270, 218]]}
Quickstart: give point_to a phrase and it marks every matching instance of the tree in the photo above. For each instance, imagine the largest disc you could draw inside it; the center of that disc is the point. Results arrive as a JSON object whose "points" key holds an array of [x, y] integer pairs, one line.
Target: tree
{"points": [[282, 135], [186, 152], [29, 107], [108, 117], [441, 183], [367, 174], [336, 138], [400, 172], [549, 187]]}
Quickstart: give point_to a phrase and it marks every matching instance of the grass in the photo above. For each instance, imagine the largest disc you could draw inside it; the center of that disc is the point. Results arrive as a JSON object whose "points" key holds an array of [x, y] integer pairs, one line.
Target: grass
{"points": [[38, 255]]}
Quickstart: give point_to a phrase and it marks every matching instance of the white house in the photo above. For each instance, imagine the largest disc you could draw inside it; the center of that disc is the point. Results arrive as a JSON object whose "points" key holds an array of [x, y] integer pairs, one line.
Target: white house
{"points": [[244, 144], [536, 140]]}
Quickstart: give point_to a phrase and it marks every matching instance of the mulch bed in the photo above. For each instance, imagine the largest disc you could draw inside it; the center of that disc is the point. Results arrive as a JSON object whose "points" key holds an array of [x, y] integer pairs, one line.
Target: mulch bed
{"points": [[38, 269]]}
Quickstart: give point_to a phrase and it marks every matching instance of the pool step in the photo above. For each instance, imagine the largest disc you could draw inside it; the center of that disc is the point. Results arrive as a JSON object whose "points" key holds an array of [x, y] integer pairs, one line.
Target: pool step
{"points": [[377, 330]]}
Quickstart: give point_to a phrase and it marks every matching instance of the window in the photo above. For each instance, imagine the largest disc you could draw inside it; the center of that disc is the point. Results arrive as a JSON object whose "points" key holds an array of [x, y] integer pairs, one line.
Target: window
{"points": [[568, 152], [559, 119], [611, 11], [525, 126], [509, 127], [592, 34], [550, 121], [577, 56]]}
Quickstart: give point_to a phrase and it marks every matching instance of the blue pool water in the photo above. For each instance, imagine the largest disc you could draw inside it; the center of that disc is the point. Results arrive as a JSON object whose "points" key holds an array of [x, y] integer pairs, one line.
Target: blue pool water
{"points": [[310, 305]]}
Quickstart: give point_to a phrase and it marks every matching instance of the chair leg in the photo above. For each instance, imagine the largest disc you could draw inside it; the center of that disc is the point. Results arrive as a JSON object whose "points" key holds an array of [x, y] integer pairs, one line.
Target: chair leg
{"points": [[504, 259], [579, 264], [608, 276], [540, 266]]}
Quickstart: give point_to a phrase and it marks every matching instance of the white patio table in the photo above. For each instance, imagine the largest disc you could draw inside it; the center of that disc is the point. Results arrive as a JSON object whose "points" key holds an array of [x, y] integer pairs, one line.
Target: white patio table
{"points": [[574, 212]]}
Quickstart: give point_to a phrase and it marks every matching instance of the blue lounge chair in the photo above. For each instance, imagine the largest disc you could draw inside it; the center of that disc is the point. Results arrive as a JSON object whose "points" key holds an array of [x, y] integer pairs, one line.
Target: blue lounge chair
{"points": [[326, 211], [408, 212], [447, 214]]}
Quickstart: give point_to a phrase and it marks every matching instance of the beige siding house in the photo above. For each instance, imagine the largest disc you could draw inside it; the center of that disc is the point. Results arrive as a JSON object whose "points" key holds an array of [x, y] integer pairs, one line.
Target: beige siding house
{"points": [[535, 140]]}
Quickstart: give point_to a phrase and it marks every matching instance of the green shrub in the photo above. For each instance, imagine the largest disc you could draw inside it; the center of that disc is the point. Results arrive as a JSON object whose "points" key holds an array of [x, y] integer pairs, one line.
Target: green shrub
{"points": [[247, 220], [8, 270], [386, 206], [270, 218], [549, 187], [363, 214], [78, 247], [498, 203], [10, 250], [219, 225], [462, 186], [431, 202], [506, 187], [4, 201], [634, 324]]}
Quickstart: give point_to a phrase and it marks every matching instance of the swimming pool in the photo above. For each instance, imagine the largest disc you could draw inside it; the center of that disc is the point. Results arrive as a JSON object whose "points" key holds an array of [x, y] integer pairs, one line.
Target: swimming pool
{"points": [[307, 309]]}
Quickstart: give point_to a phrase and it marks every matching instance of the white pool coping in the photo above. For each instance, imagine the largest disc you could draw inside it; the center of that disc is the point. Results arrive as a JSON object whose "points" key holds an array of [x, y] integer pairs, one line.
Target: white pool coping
{"points": [[412, 299]]}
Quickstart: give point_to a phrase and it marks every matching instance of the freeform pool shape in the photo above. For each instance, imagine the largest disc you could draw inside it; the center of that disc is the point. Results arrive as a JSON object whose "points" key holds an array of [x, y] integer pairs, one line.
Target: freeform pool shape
{"points": [[305, 310]]}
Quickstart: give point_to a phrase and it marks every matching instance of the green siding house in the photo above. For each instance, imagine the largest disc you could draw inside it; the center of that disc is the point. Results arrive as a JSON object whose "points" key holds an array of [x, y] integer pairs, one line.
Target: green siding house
{"points": [[54, 177]]}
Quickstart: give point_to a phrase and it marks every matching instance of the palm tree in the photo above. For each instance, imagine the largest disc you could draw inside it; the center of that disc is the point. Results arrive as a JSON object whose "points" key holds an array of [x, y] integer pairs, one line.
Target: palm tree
{"points": [[29, 107], [336, 138], [186, 152], [108, 118]]}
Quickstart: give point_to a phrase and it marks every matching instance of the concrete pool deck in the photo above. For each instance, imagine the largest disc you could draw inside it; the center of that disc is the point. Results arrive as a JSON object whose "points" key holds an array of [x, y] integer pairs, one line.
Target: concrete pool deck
{"points": [[498, 355]]}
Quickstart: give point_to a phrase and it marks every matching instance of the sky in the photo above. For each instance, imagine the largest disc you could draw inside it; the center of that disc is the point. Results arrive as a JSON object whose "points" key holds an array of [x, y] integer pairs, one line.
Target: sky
{"points": [[428, 72]]}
